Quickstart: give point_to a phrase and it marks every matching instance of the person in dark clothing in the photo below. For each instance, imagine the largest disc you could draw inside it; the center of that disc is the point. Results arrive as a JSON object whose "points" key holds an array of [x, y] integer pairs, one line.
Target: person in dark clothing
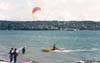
{"points": [[11, 54], [23, 50], [15, 54], [54, 47]]}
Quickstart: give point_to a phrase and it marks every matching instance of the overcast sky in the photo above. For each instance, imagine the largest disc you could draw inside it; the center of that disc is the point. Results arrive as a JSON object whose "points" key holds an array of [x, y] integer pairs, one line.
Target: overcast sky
{"points": [[50, 10]]}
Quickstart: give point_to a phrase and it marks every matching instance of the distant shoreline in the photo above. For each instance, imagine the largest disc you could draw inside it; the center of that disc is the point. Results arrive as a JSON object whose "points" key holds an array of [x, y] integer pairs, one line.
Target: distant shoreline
{"points": [[49, 25]]}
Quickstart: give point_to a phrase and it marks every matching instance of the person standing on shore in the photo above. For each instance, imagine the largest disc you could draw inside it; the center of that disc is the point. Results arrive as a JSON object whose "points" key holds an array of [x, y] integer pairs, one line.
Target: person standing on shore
{"points": [[11, 54], [15, 54]]}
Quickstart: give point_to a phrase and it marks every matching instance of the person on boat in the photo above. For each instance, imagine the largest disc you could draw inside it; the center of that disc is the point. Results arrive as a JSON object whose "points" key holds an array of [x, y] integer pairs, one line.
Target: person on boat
{"points": [[15, 54], [54, 47], [11, 54], [23, 50]]}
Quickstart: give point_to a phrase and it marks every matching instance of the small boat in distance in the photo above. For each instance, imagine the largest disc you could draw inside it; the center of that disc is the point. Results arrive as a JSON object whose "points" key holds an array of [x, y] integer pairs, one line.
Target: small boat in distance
{"points": [[52, 49]]}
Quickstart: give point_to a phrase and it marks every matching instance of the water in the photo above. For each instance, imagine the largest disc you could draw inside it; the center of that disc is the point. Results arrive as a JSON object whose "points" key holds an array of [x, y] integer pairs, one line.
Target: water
{"points": [[80, 44]]}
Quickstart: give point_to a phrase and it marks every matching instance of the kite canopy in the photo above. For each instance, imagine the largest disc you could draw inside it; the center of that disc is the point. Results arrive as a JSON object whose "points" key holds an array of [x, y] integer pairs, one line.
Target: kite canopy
{"points": [[36, 9]]}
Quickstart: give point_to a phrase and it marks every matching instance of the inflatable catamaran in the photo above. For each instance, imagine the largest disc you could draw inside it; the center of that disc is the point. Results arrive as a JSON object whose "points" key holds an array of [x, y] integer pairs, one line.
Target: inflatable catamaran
{"points": [[52, 49]]}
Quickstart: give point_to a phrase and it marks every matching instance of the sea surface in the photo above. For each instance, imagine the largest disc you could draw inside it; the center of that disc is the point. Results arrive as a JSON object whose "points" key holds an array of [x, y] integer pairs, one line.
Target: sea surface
{"points": [[78, 45]]}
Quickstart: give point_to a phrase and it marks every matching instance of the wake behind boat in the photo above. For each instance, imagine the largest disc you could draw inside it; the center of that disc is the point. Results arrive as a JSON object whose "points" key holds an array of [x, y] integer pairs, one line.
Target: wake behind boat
{"points": [[88, 61]]}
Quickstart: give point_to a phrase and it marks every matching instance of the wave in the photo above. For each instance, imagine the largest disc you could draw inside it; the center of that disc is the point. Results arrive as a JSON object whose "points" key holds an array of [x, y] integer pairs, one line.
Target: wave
{"points": [[78, 50]]}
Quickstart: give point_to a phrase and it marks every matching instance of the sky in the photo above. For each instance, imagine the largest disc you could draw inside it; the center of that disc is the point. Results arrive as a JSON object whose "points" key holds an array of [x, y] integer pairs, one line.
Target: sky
{"points": [[50, 10]]}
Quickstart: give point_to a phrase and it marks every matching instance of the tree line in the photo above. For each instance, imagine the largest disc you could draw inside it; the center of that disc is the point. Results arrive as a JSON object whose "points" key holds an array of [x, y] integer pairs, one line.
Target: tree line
{"points": [[49, 25]]}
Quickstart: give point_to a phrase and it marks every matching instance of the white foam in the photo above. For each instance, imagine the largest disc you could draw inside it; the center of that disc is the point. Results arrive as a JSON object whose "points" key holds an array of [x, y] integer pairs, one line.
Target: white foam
{"points": [[77, 50], [62, 51], [19, 49], [27, 62], [3, 62]]}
